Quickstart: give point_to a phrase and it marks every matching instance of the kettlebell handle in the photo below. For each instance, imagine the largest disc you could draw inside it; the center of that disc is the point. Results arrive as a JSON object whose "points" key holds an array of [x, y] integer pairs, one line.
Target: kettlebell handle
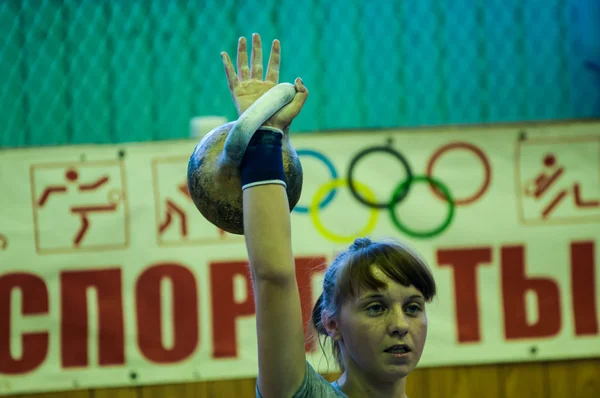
{"points": [[260, 111]]}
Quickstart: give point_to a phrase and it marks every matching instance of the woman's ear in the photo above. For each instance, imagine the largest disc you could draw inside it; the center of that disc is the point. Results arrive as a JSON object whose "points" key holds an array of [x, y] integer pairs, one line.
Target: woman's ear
{"points": [[331, 325]]}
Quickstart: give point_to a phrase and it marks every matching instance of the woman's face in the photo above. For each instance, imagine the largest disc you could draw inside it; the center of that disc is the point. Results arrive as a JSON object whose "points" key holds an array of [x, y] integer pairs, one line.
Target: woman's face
{"points": [[370, 324]]}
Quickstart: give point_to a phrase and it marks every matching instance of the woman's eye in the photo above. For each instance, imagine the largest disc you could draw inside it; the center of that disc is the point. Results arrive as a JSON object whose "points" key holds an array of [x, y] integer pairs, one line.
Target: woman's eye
{"points": [[413, 309], [375, 309]]}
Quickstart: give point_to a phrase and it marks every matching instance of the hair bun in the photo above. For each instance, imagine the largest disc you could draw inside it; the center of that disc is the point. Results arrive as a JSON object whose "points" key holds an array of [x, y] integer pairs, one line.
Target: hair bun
{"points": [[360, 243]]}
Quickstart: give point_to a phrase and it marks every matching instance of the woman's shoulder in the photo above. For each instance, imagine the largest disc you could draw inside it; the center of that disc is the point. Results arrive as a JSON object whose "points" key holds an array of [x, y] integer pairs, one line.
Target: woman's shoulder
{"points": [[315, 386]]}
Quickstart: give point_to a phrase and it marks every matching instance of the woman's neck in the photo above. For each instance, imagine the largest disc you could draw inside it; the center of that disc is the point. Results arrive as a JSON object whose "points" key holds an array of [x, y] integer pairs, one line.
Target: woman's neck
{"points": [[354, 384]]}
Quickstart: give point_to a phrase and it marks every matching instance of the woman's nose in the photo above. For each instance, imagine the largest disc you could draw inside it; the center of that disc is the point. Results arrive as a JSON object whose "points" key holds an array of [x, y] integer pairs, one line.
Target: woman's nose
{"points": [[398, 323]]}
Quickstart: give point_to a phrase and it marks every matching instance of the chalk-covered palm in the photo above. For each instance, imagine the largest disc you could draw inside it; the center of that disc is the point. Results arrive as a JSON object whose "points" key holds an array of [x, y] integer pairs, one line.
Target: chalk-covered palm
{"points": [[248, 84]]}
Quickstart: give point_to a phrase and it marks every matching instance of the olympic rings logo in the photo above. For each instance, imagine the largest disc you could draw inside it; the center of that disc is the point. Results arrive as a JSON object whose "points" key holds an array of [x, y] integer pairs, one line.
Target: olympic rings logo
{"points": [[326, 193]]}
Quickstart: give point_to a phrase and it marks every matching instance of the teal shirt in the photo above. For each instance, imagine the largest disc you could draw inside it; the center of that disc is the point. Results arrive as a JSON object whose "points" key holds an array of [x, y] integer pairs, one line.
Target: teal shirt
{"points": [[314, 386]]}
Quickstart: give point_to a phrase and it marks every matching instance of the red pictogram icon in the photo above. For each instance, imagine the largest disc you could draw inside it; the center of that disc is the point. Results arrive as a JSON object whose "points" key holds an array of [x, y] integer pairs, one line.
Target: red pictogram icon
{"points": [[547, 178], [559, 179], [178, 219], [90, 192]]}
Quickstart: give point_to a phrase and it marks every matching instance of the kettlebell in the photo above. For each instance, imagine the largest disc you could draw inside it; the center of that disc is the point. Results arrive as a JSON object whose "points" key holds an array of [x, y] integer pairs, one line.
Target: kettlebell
{"points": [[213, 175]]}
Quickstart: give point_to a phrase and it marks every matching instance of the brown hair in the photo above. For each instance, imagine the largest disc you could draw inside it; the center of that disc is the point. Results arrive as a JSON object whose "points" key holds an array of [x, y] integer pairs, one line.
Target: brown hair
{"points": [[351, 271]]}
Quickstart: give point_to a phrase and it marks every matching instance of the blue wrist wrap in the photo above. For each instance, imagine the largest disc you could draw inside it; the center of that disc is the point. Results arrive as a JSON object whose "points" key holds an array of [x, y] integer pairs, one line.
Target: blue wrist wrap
{"points": [[263, 161]]}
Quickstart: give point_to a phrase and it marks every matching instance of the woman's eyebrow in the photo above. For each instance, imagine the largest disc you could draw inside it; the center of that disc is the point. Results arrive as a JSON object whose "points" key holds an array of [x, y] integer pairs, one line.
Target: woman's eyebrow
{"points": [[379, 296], [371, 296]]}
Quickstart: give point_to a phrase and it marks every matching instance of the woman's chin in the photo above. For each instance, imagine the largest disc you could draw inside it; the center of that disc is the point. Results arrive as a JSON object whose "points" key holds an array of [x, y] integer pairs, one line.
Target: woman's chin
{"points": [[394, 372]]}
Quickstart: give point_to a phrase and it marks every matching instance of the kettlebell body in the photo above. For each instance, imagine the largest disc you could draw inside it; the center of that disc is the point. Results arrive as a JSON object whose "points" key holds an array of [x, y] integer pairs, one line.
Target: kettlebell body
{"points": [[214, 179]]}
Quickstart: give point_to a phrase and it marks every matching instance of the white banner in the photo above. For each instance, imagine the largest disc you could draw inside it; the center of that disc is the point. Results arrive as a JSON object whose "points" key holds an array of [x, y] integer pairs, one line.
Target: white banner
{"points": [[109, 275]]}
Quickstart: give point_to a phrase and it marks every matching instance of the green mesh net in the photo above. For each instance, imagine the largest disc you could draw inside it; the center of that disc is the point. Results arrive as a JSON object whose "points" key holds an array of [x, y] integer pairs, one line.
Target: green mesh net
{"points": [[100, 71]]}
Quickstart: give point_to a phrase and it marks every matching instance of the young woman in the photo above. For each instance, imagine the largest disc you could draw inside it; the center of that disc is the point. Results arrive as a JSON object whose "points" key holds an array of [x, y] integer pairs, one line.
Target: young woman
{"points": [[374, 293]]}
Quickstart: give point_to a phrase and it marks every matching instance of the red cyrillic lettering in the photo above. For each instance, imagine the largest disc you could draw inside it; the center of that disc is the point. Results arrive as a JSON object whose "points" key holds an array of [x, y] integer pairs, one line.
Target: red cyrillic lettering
{"points": [[305, 269], [583, 288], [464, 263], [224, 308], [185, 313], [514, 286], [74, 312], [34, 301]]}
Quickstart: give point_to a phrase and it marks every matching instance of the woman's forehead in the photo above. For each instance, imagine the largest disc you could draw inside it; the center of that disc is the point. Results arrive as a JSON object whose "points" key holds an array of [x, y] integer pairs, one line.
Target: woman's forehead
{"points": [[391, 288], [378, 273]]}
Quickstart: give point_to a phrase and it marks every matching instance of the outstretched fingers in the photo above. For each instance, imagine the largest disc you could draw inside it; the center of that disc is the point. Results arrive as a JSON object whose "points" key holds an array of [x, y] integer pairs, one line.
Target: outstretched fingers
{"points": [[257, 58], [242, 60], [274, 61], [232, 79]]}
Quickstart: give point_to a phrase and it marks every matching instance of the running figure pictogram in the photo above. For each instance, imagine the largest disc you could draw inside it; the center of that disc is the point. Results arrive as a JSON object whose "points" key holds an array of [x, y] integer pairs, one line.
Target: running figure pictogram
{"points": [[72, 177], [172, 210], [547, 178]]}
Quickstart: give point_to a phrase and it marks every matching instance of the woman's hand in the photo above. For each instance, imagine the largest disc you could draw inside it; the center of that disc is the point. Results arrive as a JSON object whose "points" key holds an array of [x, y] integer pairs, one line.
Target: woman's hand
{"points": [[248, 85]]}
